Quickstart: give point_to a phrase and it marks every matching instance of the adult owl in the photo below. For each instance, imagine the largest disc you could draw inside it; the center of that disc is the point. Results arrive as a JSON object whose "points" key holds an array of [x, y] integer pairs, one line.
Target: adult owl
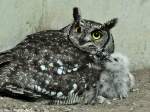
{"points": [[54, 64]]}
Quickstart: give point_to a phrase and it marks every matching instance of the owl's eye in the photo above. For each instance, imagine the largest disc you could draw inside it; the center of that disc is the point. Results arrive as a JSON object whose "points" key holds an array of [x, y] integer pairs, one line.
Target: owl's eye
{"points": [[96, 35], [78, 29]]}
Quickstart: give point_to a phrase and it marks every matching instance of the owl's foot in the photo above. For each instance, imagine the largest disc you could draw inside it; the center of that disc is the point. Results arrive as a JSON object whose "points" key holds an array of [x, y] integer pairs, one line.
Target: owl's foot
{"points": [[123, 96], [122, 90], [123, 93]]}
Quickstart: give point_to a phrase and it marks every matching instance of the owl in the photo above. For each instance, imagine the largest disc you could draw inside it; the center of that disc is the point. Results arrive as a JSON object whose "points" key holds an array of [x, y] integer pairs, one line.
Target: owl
{"points": [[54, 64], [115, 79]]}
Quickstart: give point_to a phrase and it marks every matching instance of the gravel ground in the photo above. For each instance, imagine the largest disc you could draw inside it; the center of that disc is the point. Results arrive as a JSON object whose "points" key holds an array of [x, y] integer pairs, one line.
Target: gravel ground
{"points": [[138, 101]]}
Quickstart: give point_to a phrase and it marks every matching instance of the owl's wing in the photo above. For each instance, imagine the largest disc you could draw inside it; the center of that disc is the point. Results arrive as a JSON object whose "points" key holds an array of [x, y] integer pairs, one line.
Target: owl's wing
{"points": [[9, 65], [14, 91], [6, 58], [46, 64]]}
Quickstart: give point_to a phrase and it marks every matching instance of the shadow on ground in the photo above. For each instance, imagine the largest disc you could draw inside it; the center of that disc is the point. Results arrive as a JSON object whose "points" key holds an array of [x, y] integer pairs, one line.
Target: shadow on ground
{"points": [[138, 101]]}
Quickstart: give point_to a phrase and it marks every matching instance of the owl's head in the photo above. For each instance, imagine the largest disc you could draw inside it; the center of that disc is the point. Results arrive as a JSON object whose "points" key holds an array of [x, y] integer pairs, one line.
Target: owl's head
{"points": [[116, 62], [91, 36]]}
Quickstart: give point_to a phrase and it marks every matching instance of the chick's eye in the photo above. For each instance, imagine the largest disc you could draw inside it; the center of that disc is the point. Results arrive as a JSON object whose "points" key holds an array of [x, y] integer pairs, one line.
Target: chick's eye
{"points": [[96, 35], [78, 29], [115, 59]]}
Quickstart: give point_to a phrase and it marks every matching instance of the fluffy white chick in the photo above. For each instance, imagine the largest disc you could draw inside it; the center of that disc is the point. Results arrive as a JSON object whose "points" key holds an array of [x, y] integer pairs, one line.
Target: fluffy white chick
{"points": [[115, 79]]}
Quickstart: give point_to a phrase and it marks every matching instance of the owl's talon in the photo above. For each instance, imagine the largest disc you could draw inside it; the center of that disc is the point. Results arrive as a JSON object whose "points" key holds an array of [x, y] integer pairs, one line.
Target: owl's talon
{"points": [[123, 96]]}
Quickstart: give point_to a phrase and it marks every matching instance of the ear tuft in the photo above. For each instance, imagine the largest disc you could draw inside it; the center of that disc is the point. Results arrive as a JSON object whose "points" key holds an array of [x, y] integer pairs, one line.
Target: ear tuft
{"points": [[110, 24], [76, 14]]}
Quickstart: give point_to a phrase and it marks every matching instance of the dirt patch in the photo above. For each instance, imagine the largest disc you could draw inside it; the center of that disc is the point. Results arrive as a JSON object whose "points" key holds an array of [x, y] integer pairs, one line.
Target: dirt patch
{"points": [[138, 101]]}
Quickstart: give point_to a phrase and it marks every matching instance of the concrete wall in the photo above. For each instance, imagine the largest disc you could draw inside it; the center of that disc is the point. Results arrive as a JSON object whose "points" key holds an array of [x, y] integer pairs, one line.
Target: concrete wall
{"points": [[132, 34]]}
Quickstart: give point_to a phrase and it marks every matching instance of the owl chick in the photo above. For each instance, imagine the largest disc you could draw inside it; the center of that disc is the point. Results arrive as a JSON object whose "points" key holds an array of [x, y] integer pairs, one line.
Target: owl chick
{"points": [[115, 80]]}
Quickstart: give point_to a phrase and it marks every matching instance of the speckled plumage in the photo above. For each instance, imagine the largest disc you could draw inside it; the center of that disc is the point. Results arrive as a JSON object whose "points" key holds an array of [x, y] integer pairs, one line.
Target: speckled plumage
{"points": [[50, 64], [34, 64]]}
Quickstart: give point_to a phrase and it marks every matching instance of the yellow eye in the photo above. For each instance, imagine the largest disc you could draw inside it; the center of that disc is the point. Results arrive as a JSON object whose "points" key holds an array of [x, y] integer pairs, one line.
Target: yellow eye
{"points": [[96, 35], [78, 29]]}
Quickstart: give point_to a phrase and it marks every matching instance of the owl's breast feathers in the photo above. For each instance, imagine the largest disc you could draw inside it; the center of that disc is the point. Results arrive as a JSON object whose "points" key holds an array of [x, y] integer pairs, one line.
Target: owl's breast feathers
{"points": [[46, 63]]}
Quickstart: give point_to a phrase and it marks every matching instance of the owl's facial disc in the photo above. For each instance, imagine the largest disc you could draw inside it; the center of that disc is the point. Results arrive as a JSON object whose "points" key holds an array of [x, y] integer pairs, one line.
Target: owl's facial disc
{"points": [[89, 39], [88, 35], [86, 39]]}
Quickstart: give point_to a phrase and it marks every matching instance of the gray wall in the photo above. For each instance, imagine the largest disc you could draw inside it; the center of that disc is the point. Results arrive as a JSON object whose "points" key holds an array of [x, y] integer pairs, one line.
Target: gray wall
{"points": [[132, 34]]}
